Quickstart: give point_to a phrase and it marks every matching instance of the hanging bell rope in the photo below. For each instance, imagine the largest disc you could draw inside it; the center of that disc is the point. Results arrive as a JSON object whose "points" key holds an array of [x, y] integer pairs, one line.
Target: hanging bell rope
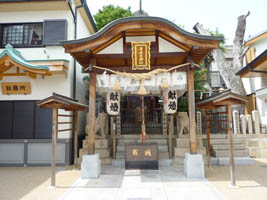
{"points": [[142, 76]]}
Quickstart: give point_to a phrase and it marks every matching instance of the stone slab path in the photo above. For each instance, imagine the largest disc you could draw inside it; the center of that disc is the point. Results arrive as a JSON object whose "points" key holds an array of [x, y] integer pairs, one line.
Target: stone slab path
{"points": [[168, 183]]}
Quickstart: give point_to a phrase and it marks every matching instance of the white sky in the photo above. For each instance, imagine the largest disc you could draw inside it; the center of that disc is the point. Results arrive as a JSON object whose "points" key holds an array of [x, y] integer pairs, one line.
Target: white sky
{"points": [[211, 13]]}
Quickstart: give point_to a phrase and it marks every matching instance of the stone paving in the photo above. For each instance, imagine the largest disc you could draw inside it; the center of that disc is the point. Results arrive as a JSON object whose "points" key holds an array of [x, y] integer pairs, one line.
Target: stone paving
{"points": [[168, 183]]}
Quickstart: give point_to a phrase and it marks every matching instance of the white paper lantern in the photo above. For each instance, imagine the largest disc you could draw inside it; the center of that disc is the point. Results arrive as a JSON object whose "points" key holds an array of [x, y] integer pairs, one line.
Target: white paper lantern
{"points": [[113, 103], [170, 101]]}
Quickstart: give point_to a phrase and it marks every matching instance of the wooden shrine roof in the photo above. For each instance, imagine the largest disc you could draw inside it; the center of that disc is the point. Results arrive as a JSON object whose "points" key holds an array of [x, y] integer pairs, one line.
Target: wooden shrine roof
{"points": [[61, 102], [224, 98], [194, 45], [256, 68], [11, 57]]}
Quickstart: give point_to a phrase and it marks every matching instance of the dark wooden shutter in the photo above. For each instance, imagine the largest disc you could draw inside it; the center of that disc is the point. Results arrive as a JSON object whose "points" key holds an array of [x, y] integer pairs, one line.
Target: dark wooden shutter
{"points": [[43, 123], [23, 120], [54, 31], [6, 112]]}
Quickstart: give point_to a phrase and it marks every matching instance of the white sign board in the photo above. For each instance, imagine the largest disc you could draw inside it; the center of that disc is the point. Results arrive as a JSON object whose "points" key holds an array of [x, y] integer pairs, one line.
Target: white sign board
{"points": [[113, 103], [170, 101]]}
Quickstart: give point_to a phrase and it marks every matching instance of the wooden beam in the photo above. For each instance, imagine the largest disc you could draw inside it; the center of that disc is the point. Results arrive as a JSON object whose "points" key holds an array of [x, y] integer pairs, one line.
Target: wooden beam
{"points": [[174, 42], [208, 133], [64, 122], [32, 75], [191, 111], [75, 124], [108, 43], [61, 115], [63, 130], [230, 141], [92, 109], [14, 74], [171, 130], [129, 55], [54, 145]]}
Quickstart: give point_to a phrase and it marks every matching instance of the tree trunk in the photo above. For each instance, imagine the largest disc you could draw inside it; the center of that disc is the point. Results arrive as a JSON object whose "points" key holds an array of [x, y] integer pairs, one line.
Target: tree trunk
{"points": [[227, 72]]}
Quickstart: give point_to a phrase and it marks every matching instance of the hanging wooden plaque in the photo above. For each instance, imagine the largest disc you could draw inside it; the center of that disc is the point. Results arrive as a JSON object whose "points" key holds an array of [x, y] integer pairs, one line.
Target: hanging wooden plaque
{"points": [[16, 88], [140, 55]]}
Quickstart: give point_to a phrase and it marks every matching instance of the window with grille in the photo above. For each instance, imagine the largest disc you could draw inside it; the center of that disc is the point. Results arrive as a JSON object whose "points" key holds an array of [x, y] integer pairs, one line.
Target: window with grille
{"points": [[48, 32], [22, 34]]}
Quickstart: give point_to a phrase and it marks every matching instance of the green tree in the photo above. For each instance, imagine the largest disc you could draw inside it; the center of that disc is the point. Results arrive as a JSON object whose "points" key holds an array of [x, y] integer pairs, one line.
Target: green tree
{"points": [[110, 13]]}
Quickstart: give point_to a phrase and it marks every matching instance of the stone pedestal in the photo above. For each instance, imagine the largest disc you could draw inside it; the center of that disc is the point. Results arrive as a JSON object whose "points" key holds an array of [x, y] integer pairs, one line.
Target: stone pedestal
{"points": [[256, 121], [194, 166], [90, 166], [249, 122], [243, 124]]}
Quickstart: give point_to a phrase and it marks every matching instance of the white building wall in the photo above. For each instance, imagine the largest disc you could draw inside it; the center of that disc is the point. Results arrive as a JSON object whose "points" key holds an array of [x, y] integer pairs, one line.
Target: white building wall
{"points": [[62, 84], [253, 84]]}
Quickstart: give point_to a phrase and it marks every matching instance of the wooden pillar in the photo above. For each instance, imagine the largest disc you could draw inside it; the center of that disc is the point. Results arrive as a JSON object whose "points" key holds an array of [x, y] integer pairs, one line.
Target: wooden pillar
{"points": [[75, 124], [91, 115], [113, 134], [230, 140], [54, 145], [170, 122], [208, 134], [191, 111]]}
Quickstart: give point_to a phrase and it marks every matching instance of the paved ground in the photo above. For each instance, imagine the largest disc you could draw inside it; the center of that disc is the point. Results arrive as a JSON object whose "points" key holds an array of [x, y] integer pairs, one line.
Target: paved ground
{"points": [[251, 181], [32, 183], [167, 183]]}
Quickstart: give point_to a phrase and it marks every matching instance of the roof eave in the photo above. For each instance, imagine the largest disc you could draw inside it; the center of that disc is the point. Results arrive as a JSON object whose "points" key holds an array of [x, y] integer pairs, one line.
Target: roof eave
{"points": [[131, 19]]}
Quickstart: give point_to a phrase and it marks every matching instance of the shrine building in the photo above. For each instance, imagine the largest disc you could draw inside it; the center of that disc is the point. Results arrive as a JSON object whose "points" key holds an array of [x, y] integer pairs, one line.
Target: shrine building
{"points": [[138, 67]]}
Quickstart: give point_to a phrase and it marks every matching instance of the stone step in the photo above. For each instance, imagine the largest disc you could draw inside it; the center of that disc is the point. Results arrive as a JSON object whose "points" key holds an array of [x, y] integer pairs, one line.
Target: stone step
{"points": [[130, 141], [103, 153], [225, 141], [162, 155], [256, 152], [184, 142], [161, 148], [180, 152], [225, 153], [137, 136], [218, 136], [99, 143], [226, 146]]}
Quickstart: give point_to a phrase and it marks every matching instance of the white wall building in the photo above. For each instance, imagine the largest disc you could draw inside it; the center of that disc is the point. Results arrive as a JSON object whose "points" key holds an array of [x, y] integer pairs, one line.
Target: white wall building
{"points": [[254, 73], [32, 31]]}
